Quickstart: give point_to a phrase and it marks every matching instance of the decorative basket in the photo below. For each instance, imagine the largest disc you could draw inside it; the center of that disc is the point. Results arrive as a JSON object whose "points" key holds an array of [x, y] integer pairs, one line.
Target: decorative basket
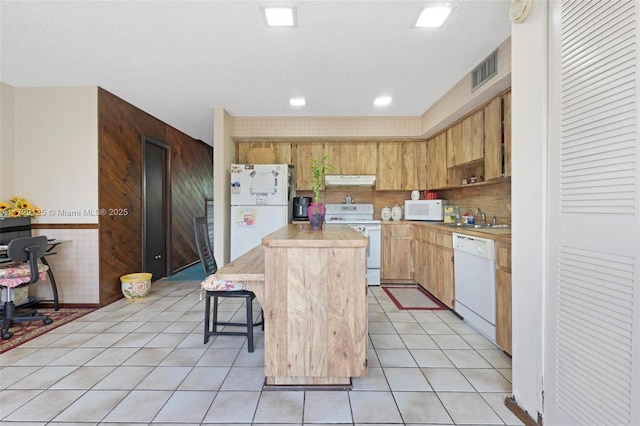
{"points": [[261, 154]]}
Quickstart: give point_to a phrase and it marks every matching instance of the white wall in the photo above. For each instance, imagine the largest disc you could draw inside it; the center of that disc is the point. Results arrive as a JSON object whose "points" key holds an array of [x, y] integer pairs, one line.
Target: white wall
{"points": [[56, 168], [7, 140], [56, 151], [528, 199]]}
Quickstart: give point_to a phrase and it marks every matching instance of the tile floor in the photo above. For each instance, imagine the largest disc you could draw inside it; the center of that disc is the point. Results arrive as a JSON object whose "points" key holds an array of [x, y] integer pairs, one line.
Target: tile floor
{"points": [[145, 363]]}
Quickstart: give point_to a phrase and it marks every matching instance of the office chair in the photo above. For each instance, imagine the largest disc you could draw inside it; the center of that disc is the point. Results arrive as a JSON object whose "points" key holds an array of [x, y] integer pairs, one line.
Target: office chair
{"points": [[215, 289], [24, 269]]}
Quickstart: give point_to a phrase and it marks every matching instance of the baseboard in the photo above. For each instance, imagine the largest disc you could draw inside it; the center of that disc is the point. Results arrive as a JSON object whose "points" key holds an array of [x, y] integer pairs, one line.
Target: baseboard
{"points": [[520, 413], [47, 304]]}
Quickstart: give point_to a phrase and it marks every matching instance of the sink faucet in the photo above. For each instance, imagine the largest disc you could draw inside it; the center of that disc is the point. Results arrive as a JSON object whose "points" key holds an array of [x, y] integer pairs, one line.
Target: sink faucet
{"points": [[483, 218]]}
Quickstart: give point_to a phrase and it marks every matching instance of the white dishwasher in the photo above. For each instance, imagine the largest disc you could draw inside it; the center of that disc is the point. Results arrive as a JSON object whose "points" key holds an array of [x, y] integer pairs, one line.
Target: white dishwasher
{"points": [[475, 282]]}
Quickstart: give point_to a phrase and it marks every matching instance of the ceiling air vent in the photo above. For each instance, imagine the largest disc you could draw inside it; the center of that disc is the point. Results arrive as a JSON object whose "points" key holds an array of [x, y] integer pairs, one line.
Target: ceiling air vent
{"points": [[483, 72]]}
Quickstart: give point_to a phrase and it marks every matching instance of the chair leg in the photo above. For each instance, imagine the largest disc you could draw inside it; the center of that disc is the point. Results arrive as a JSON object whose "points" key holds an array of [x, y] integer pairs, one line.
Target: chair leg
{"points": [[207, 315], [249, 303], [8, 314], [214, 325]]}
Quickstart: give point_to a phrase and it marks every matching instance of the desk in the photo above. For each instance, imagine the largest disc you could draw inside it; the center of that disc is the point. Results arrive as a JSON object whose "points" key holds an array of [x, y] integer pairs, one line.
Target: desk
{"points": [[51, 244]]}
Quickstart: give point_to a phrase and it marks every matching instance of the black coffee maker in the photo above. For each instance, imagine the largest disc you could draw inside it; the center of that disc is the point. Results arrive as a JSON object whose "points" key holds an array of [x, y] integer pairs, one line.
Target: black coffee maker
{"points": [[300, 205]]}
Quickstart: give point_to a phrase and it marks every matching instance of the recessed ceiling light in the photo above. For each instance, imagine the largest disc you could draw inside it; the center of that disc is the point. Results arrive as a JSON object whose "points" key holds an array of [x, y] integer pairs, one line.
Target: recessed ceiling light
{"points": [[297, 102], [280, 16], [433, 16], [382, 101]]}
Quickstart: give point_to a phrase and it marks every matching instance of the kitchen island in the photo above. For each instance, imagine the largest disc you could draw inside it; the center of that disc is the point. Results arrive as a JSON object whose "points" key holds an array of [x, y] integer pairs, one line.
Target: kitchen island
{"points": [[313, 290]]}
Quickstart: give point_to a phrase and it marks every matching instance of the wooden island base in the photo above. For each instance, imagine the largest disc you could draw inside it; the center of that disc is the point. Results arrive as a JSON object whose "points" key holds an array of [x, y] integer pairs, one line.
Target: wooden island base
{"points": [[313, 291]]}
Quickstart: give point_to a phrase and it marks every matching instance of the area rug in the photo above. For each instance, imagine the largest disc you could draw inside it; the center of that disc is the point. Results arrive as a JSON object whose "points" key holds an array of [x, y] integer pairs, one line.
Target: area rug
{"points": [[192, 273], [413, 298], [25, 331]]}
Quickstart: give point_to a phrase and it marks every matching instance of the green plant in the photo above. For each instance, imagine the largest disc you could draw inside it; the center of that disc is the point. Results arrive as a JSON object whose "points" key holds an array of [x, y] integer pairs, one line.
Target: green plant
{"points": [[318, 169]]}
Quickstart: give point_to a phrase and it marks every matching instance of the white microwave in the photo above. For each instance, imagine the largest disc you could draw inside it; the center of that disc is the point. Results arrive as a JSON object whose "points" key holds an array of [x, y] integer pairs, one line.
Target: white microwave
{"points": [[424, 210]]}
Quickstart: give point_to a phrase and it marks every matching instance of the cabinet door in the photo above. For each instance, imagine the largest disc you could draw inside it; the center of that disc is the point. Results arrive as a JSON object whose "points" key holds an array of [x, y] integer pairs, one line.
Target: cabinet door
{"points": [[420, 255], [503, 296], [472, 148], [454, 145], [353, 157], [493, 139], [414, 165], [503, 310], [397, 252], [441, 274], [437, 161], [389, 166], [304, 152], [245, 152], [506, 117]]}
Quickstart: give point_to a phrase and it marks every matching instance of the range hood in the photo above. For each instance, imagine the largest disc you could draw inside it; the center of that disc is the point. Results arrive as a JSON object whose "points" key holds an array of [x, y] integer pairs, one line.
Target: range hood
{"points": [[366, 181]]}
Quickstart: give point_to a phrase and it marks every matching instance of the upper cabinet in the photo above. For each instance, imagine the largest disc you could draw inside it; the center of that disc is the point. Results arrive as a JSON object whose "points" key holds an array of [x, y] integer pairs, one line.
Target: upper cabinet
{"points": [[497, 141], [465, 140], [302, 154], [389, 166], [353, 158], [437, 161], [251, 152], [479, 145], [414, 165], [506, 131]]}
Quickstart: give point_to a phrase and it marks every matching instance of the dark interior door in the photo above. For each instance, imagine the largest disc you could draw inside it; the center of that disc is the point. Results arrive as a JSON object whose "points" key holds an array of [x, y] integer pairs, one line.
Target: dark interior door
{"points": [[155, 206]]}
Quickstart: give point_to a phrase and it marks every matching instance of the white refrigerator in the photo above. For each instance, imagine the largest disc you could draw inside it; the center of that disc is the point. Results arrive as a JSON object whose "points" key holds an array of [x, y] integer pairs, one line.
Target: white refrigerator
{"points": [[261, 197]]}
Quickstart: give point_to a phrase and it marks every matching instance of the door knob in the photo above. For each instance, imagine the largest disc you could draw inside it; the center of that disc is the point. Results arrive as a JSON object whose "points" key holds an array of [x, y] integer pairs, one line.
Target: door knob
{"points": [[158, 256]]}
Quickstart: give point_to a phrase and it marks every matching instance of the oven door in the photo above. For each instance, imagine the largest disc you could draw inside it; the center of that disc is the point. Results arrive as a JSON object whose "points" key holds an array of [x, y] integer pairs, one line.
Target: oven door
{"points": [[373, 232]]}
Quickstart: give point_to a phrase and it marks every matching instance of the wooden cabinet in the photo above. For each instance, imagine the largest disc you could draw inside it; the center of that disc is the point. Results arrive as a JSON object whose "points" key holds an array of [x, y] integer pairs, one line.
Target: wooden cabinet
{"points": [[506, 131], [353, 157], [454, 144], [397, 252], [437, 161], [414, 165], [503, 295], [302, 154], [497, 140], [251, 152], [389, 166], [433, 260], [441, 266], [465, 140], [421, 254]]}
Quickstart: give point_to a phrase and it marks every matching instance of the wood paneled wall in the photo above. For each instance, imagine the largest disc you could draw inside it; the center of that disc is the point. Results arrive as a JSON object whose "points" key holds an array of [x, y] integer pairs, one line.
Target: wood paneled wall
{"points": [[121, 126]]}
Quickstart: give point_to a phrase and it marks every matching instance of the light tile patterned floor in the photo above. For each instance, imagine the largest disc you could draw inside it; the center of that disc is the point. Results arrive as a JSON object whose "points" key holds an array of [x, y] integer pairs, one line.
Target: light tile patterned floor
{"points": [[145, 363]]}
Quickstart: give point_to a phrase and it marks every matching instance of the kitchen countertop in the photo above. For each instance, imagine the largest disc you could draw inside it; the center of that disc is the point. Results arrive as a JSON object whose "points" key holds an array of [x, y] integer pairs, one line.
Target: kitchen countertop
{"points": [[301, 235], [497, 234]]}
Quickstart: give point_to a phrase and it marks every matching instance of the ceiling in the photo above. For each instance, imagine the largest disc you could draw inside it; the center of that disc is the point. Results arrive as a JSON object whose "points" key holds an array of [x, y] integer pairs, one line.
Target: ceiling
{"points": [[179, 59]]}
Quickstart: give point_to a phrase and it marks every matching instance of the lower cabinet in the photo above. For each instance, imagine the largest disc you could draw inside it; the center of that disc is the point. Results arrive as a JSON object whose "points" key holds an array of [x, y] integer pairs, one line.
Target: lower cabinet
{"points": [[503, 295], [397, 253], [434, 263]]}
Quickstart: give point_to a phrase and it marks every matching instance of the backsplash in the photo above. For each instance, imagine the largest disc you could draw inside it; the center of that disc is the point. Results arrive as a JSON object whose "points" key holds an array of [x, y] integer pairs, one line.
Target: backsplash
{"points": [[492, 199]]}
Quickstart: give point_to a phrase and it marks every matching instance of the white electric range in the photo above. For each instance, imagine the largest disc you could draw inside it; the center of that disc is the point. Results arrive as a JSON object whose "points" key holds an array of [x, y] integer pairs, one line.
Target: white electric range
{"points": [[360, 218]]}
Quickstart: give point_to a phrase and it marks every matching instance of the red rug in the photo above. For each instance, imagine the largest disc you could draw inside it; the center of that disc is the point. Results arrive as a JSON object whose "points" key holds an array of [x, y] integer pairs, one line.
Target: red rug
{"points": [[25, 331], [413, 298]]}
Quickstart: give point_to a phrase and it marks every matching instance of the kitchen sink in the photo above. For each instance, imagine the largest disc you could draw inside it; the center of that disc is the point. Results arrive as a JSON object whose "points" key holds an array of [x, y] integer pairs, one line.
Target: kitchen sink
{"points": [[469, 225], [481, 227]]}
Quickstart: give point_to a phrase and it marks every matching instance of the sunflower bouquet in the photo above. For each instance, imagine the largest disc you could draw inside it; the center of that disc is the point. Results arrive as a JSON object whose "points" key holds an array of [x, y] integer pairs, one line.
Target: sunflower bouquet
{"points": [[19, 207]]}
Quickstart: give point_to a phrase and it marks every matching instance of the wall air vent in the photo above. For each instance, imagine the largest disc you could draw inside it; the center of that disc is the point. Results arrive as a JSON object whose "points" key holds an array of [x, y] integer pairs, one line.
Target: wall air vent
{"points": [[483, 72]]}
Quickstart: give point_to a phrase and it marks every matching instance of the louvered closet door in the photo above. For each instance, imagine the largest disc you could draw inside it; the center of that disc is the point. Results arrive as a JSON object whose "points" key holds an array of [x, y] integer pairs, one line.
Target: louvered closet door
{"points": [[592, 341]]}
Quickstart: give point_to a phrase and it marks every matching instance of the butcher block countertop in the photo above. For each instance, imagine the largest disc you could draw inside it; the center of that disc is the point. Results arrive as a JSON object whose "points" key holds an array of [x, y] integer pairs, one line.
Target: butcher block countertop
{"points": [[301, 235]]}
